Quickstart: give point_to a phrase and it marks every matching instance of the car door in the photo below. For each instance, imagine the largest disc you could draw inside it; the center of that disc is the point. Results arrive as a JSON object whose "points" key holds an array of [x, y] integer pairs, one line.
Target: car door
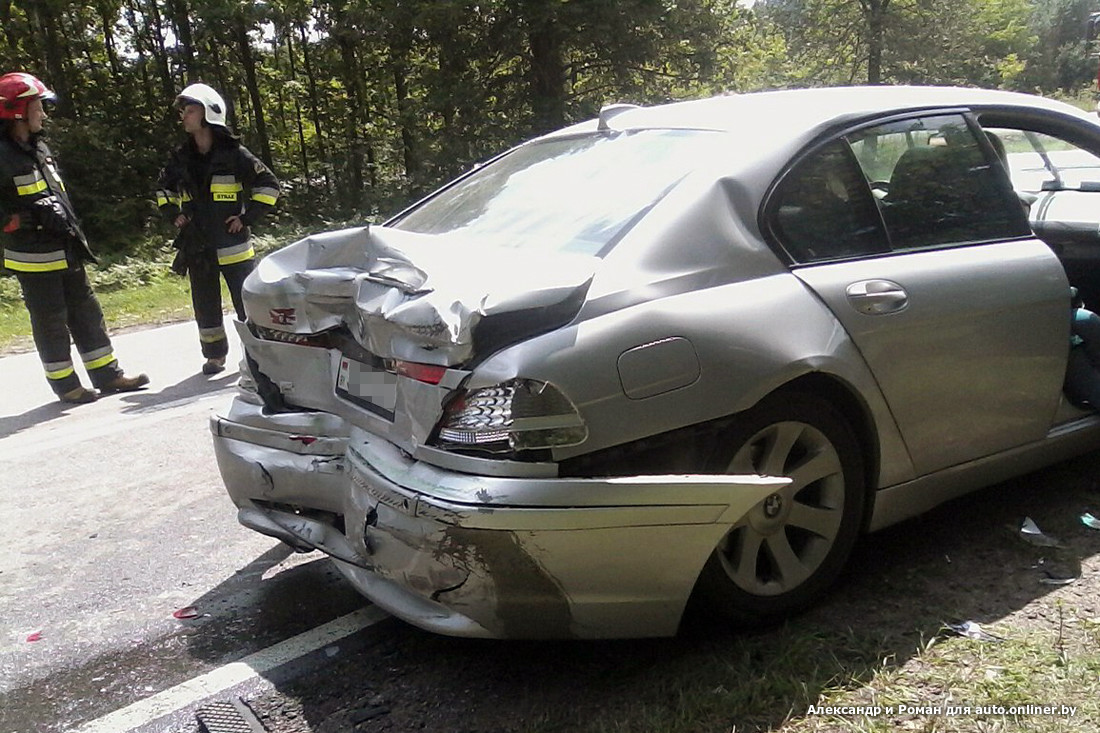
{"points": [[924, 255]]}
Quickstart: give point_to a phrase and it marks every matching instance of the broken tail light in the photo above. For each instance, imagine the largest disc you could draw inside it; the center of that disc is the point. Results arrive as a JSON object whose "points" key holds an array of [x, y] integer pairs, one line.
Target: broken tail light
{"points": [[521, 414], [427, 373]]}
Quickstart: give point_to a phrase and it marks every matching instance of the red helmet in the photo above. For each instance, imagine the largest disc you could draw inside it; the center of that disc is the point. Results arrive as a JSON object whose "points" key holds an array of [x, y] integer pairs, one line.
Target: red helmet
{"points": [[16, 90]]}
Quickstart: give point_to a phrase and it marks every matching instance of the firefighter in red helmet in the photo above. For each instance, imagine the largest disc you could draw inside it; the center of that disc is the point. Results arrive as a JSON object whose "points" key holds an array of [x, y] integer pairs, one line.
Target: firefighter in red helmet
{"points": [[46, 249]]}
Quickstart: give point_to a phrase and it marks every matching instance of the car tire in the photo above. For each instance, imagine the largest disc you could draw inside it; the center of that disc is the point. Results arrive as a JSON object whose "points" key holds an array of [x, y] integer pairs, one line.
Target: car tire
{"points": [[790, 547]]}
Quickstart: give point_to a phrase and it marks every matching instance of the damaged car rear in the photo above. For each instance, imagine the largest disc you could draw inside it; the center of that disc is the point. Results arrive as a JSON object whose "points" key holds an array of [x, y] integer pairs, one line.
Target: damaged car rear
{"points": [[607, 373]]}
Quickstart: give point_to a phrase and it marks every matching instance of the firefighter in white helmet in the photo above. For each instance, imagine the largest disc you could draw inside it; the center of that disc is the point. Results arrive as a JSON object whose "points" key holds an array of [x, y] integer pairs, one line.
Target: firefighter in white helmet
{"points": [[46, 249], [213, 189]]}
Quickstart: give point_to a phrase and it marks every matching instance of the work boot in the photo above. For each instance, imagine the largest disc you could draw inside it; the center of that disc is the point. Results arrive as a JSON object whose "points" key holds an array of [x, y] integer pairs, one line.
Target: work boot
{"points": [[80, 396], [214, 365], [122, 383]]}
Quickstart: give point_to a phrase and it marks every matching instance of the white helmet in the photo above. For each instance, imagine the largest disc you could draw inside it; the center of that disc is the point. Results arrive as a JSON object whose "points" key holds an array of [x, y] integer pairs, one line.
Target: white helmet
{"points": [[211, 102]]}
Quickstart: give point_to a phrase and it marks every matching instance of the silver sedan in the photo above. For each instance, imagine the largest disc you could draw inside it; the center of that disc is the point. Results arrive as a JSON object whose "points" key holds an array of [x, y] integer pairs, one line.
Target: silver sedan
{"points": [[684, 353]]}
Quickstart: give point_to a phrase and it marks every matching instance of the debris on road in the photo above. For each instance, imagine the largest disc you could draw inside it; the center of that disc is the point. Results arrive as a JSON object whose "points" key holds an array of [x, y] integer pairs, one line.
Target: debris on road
{"points": [[1030, 533], [1054, 573], [972, 630], [1090, 521]]}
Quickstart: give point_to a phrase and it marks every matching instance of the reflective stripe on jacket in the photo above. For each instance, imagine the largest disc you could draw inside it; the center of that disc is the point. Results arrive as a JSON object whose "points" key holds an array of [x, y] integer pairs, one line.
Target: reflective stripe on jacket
{"points": [[208, 189], [40, 228]]}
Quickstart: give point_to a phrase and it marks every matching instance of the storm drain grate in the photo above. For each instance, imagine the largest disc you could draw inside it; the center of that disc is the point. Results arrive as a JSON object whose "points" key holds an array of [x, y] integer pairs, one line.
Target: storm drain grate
{"points": [[230, 716]]}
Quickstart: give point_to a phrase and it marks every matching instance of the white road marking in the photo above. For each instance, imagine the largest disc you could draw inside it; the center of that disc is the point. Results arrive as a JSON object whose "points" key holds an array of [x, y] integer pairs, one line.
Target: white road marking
{"points": [[229, 675]]}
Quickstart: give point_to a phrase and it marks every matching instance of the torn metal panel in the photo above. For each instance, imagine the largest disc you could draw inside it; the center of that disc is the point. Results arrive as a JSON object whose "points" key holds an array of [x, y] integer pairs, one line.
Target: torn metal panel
{"points": [[529, 601], [406, 295], [535, 557], [256, 467]]}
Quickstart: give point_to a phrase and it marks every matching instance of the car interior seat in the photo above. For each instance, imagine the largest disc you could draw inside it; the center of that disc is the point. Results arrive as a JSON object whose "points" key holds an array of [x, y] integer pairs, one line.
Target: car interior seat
{"points": [[920, 192], [999, 147], [943, 193]]}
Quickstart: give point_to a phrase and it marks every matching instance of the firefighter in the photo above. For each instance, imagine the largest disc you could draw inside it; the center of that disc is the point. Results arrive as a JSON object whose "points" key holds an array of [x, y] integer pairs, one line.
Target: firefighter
{"points": [[213, 189], [46, 249]]}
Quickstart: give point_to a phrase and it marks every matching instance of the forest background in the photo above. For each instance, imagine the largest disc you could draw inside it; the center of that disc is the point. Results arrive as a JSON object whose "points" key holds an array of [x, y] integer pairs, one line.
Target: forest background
{"points": [[361, 106]]}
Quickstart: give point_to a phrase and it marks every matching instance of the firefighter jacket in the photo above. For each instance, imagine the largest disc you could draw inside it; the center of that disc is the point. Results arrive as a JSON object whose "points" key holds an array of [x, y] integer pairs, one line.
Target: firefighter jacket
{"points": [[41, 231], [208, 189]]}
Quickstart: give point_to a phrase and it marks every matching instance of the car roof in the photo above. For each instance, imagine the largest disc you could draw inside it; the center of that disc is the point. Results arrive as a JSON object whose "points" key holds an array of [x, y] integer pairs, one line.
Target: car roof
{"points": [[800, 114], [771, 127]]}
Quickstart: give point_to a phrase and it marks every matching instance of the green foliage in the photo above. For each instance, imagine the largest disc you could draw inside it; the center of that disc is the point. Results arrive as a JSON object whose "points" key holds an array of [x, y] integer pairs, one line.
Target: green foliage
{"points": [[10, 295], [978, 42], [1060, 60]]}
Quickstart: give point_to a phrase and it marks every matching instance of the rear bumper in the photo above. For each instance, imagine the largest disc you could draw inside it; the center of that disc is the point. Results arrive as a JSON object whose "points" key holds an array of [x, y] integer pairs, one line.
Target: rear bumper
{"points": [[483, 556]]}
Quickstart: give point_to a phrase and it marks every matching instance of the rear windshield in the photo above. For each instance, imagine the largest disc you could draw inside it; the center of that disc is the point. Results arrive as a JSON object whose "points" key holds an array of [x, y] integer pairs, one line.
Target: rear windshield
{"points": [[576, 194]]}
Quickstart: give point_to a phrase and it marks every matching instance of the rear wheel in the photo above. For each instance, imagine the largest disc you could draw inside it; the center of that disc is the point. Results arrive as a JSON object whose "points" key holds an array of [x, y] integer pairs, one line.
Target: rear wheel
{"points": [[791, 546]]}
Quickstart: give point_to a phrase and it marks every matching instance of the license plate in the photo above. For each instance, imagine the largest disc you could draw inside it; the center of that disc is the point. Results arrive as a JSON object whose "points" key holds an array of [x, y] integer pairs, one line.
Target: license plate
{"points": [[367, 386]]}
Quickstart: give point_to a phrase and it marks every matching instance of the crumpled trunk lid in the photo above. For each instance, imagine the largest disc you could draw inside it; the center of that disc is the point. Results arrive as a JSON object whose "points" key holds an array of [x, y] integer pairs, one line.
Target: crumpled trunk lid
{"points": [[416, 297]]}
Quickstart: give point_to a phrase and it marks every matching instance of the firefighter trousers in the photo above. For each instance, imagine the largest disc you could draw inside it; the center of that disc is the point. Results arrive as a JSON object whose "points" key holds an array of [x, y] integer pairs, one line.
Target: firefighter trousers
{"points": [[206, 299], [62, 306]]}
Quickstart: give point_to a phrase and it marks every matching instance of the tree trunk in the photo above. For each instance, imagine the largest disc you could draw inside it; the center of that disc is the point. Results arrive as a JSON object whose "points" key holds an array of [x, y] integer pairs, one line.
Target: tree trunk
{"points": [[109, 42], [297, 108], [404, 113], [350, 72], [43, 17], [547, 70], [400, 43], [214, 46], [244, 45], [874, 12], [314, 106], [180, 15], [154, 29]]}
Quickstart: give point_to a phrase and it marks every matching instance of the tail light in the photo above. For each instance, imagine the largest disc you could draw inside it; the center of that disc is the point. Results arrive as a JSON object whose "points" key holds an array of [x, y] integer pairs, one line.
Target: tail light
{"points": [[521, 414], [427, 373]]}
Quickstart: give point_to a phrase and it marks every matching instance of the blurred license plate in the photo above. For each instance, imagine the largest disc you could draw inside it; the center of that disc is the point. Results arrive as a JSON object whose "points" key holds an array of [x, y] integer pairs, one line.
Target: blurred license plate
{"points": [[367, 386]]}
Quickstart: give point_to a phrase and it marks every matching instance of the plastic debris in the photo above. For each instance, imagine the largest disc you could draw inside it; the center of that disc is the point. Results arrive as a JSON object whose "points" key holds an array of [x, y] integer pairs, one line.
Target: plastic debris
{"points": [[1090, 521], [973, 630], [34, 636], [1031, 534], [186, 612], [1048, 579], [1057, 573]]}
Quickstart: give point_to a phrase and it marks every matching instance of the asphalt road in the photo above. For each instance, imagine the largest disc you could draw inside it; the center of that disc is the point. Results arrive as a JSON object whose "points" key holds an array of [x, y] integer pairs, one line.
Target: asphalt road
{"points": [[113, 520]]}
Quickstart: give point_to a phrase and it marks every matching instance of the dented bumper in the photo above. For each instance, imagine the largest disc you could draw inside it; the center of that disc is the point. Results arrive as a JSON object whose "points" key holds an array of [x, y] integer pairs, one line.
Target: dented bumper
{"points": [[485, 556]]}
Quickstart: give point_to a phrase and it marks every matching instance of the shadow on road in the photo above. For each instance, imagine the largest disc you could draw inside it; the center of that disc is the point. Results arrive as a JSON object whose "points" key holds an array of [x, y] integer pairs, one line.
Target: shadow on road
{"points": [[964, 561], [159, 397], [276, 596], [156, 397], [35, 416]]}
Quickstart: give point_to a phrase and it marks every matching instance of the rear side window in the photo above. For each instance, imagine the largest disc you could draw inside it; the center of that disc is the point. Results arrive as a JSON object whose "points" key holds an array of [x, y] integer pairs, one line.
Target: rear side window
{"points": [[937, 185], [824, 209]]}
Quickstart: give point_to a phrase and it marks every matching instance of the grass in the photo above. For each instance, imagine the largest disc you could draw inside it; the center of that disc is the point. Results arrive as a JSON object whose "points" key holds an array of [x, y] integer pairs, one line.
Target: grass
{"points": [[956, 684], [162, 300], [873, 683]]}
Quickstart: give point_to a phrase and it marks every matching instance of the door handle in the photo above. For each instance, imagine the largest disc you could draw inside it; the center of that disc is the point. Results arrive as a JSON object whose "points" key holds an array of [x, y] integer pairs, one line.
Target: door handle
{"points": [[877, 297]]}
